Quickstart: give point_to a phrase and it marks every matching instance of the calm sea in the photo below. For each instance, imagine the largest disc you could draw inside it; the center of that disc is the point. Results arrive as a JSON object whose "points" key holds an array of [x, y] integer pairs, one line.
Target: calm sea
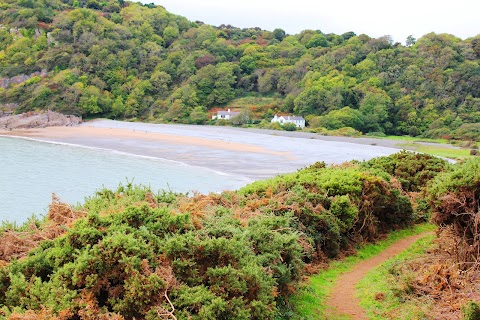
{"points": [[31, 170]]}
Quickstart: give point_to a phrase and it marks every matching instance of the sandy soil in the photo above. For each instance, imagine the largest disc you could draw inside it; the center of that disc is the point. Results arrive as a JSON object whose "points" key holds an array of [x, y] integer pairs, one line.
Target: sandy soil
{"points": [[254, 154], [86, 132], [250, 153], [342, 299]]}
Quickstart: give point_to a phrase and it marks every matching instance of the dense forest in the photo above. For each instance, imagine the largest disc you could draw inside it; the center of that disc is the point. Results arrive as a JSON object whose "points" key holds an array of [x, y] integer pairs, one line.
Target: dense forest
{"points": [[128, 60]]}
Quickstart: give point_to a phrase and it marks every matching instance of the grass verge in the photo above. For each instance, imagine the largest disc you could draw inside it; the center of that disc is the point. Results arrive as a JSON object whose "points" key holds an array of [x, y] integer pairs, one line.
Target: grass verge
{"points": [[309, 301], [446, 152], [417, 139], [384, 297]]}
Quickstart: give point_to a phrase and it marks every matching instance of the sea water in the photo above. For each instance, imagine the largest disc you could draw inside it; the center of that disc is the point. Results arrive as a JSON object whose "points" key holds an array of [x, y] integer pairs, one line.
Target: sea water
{"points": [[32, 170]]}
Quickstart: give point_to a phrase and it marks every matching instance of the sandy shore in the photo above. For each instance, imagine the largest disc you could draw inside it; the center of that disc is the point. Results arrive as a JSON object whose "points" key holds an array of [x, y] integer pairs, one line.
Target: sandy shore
{"points": [[67, 134], [254, 154]]}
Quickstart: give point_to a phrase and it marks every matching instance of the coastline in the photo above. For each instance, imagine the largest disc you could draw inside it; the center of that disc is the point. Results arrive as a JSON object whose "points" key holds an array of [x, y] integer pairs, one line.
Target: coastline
{"points": [[254, 154]]}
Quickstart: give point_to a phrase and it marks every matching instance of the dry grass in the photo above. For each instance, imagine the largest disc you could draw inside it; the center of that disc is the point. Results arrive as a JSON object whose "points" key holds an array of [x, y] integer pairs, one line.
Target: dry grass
{"points": [[16, 244], [438, 277]]}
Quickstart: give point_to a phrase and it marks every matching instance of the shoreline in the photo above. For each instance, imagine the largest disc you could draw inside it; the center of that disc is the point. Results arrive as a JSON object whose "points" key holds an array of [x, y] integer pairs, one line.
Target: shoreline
{"points": [[251, 153], [121, 153]]}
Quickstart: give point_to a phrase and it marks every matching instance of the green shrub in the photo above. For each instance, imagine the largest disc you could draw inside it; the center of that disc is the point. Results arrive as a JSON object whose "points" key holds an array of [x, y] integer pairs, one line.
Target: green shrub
{"points": [[375, 134], [345, 132], [230, 256], [126, 262], [289, 127], [413, 170], [471, 311], [331, 204], [468, 131]]}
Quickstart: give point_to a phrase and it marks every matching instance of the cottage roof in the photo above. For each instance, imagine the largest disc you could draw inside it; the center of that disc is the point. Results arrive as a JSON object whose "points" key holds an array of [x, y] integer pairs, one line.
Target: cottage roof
{"points": [[294, 118], [226, 113], [291, 117]]}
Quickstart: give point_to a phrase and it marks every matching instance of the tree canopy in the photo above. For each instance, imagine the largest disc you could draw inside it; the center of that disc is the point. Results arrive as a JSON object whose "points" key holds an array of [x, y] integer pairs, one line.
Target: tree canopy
{"points": [[121, 59]]}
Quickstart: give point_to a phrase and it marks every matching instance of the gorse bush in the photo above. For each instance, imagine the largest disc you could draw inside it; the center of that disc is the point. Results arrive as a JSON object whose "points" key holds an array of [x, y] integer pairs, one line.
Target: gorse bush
{"points": [[132, 262], [413, 170], [455, 200], [471, 311], [332, 205], [133, 253]]}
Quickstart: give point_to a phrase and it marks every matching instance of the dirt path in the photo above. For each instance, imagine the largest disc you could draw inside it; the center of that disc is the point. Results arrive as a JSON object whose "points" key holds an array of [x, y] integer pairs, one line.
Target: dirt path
{"points": [[342, 300]]}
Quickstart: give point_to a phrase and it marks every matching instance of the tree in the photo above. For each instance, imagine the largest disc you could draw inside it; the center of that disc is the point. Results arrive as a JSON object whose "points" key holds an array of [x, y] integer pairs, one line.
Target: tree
{"points": [[348, 35], [279, 34], [410, 41], [160, 81], [198, 115], [345, 117], [186, 95], [118, 108], [176, 111], [374, 108], [248, 64], [170, 34], [317, 40], [322, 93], [242, 118]]}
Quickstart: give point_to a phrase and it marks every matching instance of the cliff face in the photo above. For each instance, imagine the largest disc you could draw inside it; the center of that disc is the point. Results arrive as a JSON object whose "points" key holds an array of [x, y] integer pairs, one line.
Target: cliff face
{"points": [[6, 82], [37, 120]]}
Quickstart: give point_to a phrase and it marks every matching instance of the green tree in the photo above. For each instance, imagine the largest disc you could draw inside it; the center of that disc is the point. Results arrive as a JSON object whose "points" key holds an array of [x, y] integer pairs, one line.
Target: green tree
{"points": [[198, 115], [345, 117], [118, 108], [279, 34], [410, 41], [317, 40], [374, 107], [170, 34]]}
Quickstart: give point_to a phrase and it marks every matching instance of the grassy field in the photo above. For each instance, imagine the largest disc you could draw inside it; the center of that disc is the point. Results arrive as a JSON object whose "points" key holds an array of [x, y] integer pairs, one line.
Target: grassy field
{"points": [[417, 139], [446, 152], [380, 283], [309, 302]]}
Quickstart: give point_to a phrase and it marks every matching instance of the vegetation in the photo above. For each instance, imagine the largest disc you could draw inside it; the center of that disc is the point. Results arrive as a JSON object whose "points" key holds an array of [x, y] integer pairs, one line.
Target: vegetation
{"points": [[445, 151], [131, 253], [309, 301], [413, 170], [471, 311], [439, 281], [387, 293], [455, 202], [120, 59]]}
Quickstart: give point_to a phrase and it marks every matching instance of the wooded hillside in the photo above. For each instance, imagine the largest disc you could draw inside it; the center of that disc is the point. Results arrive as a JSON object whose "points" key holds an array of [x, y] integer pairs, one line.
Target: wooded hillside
{"points": [[127, 60]]}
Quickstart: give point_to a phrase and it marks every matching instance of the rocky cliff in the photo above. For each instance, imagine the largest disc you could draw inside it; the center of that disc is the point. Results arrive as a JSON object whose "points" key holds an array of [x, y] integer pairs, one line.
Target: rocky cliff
{"points": [[37, 120]]}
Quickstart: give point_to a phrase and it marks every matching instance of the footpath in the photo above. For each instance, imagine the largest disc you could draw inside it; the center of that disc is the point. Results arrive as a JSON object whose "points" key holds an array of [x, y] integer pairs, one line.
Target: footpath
{"points": [[342, 300]]}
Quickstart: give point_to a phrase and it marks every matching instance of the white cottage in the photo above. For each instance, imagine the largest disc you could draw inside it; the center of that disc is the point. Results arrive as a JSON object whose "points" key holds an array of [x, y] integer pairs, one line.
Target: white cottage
{"points": [[225, 115], [298, 121]]}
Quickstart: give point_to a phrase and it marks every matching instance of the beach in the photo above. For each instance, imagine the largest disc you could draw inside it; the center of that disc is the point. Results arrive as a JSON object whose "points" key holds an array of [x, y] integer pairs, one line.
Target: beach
{"points": [[254, 154]]}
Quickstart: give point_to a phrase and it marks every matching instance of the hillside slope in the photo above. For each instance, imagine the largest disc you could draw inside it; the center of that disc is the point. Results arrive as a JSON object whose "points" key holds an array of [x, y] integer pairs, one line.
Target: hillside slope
{"points": [[127, 60]]}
